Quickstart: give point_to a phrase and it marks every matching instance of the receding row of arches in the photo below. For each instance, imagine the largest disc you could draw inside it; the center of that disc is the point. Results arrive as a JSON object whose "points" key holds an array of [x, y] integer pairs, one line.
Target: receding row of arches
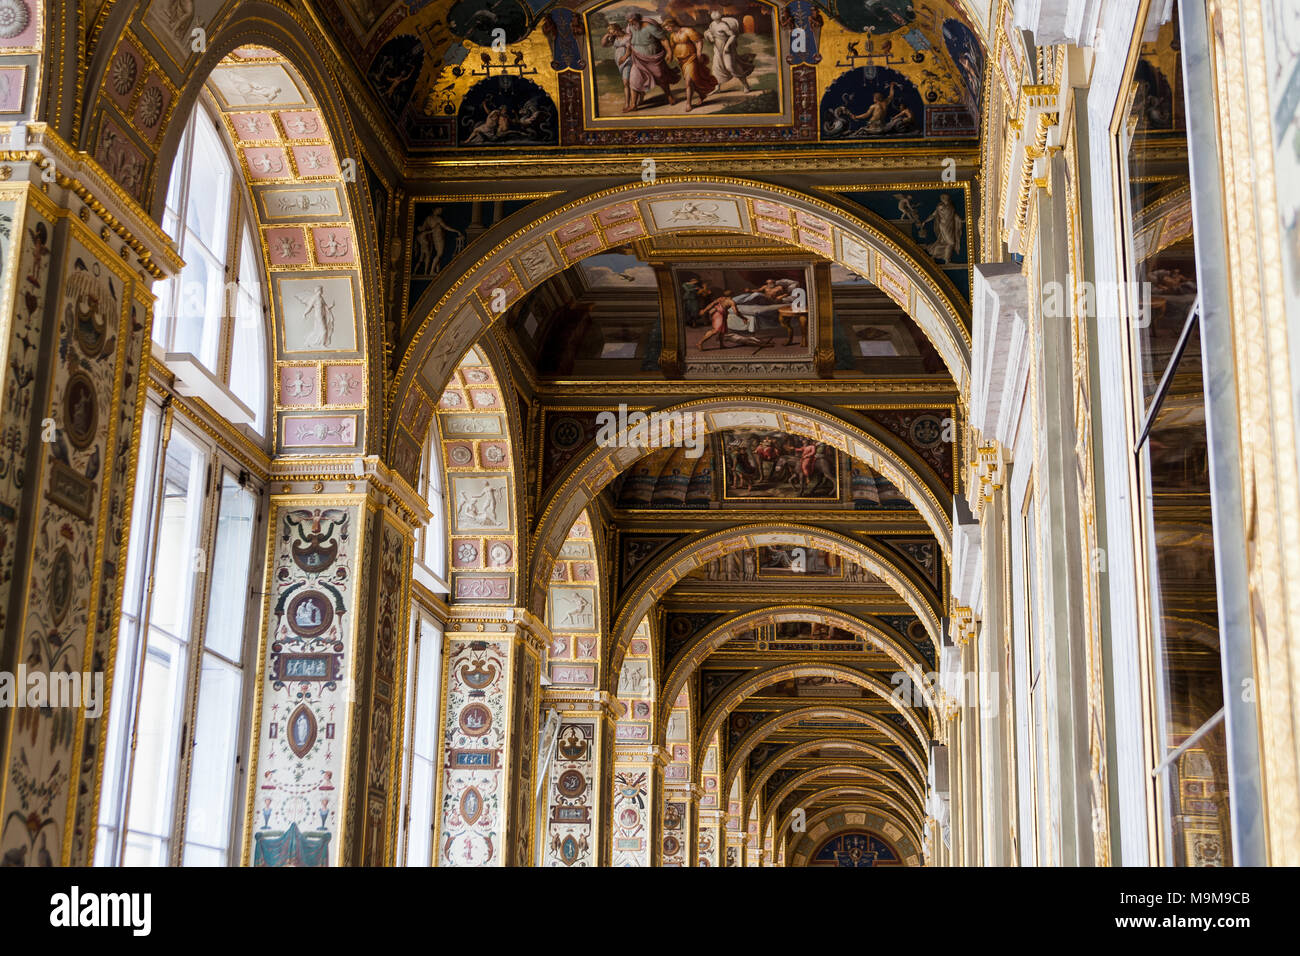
{"points": [[305, 382]]}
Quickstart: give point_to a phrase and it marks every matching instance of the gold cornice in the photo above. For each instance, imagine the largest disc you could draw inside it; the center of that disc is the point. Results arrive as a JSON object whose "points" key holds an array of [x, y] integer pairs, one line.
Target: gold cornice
{"points": [[352, 470], [575, 701], [698, 516], [1033, 152], [963, 624], [853, 388], [642, 754], [598, 162], [987, 466], [722, 600], [87, 181]]}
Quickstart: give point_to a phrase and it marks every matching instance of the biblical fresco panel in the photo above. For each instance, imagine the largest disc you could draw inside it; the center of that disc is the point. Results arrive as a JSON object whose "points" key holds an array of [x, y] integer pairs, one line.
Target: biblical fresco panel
{"points": [[765, 316], [673, 58]]}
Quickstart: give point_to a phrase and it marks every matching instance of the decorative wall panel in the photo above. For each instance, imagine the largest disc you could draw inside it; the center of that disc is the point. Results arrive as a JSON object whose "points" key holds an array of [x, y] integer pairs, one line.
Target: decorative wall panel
{"points": [[473, 787], [66, 479], [572, 813], [309, 663]]}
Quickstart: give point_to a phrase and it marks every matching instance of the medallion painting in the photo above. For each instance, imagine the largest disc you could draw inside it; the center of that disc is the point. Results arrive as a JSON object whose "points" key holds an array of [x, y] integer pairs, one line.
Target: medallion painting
{"points": [[761, 315], [507, 111], [682, 59]]}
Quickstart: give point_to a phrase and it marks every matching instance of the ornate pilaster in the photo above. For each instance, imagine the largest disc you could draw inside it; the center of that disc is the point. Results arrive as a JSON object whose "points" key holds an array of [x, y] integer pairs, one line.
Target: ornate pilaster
{"points": [[710, 847], [682, 824], [78, 258], [638, 804], [488, 752], [331, 681], [734, 846], [578, 786]]}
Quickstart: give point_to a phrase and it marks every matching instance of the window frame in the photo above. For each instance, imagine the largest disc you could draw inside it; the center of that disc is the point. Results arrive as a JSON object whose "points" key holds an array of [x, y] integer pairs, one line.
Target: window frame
{"points": [[1142, 412], [228, 450], [217, 462]]}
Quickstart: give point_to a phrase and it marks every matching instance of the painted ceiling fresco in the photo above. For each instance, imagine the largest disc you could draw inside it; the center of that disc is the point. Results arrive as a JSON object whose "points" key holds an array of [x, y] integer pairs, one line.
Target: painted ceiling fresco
{"points": [[607, 317], [755, 468], [494, 74]]}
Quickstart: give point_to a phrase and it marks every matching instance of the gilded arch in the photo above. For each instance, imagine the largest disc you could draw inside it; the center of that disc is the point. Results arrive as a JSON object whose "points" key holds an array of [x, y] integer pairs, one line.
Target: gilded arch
{"points": [[476, 441], [575, 608], [848, 818], [816, 773], [777, 722], [703, 644], [477, 298], [670, 568], [603, 464], [883, 789], [846, 743], [864, 795], [737, 691]]}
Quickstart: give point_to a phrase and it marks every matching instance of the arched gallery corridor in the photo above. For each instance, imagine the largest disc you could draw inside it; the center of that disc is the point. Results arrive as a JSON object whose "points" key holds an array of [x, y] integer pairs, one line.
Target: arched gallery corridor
{"points": [[573, 433]]}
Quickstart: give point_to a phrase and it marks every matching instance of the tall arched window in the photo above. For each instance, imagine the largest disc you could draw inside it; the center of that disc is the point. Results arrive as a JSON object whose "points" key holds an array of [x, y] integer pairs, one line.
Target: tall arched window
{"points": [[210, 320], [176, 756]]}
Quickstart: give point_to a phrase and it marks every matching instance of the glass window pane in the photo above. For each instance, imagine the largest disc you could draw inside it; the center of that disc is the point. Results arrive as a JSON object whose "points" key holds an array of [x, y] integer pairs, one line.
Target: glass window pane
{"points": [[176, 186], [434, 540], [419, 846], [1184, 599], [210, 184], [424, 742], [145, 850], [154, 770], [145, 482], [212, 772], [422, 735], [1162, 266], [248, 358], [232, 552], [198, 322], [1173, 462], [196, 855], [178, 537], [161, 705], [164, 307], [124, 679]]}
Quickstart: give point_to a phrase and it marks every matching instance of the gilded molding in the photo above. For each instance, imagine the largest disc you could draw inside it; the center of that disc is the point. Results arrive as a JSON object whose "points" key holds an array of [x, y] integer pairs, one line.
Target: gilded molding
{"points": [[33, 143]]}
